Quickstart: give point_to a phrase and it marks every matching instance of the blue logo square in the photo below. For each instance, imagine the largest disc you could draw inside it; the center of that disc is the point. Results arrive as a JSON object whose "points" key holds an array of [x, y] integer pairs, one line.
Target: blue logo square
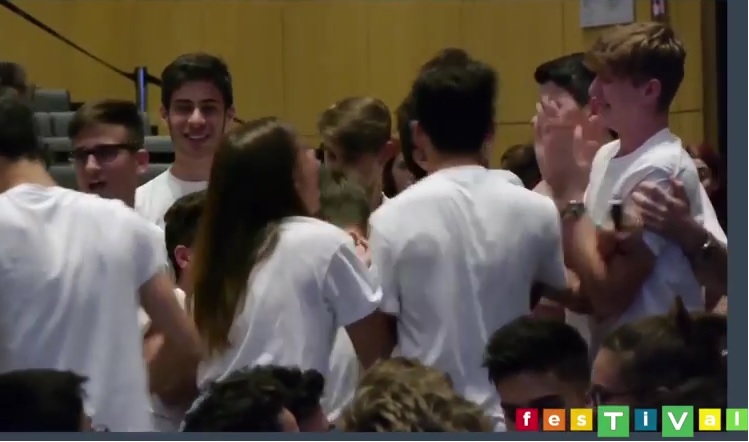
{"points": [[646, 419]]}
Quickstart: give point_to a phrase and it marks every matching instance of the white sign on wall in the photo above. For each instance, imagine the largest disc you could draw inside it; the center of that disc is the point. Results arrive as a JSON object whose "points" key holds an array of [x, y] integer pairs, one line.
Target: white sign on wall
{"points": [[595, 13]]}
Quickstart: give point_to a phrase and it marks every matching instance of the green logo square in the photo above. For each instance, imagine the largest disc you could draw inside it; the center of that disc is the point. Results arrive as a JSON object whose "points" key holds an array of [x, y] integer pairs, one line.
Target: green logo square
{"points": [[677, 421], [736, 419], [613, 421]]}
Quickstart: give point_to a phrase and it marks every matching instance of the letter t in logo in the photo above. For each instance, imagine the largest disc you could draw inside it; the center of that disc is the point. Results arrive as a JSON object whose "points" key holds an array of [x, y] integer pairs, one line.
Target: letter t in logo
{"points": [[613, 421]]}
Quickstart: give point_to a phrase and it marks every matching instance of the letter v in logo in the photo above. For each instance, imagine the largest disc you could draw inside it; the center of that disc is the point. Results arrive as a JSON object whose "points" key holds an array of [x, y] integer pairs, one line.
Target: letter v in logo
{"points": [[677, 422]]}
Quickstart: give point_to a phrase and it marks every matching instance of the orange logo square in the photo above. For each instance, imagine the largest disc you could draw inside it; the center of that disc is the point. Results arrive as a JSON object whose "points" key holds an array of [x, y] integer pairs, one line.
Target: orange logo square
{"points": [[554, 419]]}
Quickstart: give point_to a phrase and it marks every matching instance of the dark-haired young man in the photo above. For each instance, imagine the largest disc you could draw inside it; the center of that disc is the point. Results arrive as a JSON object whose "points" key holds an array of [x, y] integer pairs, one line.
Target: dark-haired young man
{"points": [[356, 133], [77, 261], [42, 400], [108, 156], [458, 252], [181, 225], [537, 363], [304, 390], [247, 401], [197, 103]]}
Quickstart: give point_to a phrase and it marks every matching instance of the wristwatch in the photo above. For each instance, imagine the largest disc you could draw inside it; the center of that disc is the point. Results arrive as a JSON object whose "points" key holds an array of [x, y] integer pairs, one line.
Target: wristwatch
{"points": [[705, 252], [574, 209]]}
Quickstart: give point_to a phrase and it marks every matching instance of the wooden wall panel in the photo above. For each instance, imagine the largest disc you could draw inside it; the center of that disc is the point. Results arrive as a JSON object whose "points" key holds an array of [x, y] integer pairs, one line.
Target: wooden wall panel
{"points": [[325, 57], [402, 36], [294, 58], [514, 37], [51, 63], [687, 23]]}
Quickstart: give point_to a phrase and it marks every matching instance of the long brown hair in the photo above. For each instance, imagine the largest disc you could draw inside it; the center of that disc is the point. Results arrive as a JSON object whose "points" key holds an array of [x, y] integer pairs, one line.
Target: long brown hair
{"points": [[251, 189]]}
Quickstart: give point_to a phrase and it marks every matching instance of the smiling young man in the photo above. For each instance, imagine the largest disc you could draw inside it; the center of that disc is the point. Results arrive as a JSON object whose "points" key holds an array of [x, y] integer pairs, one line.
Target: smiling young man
{"points": [[639, 69], [197, 103]]}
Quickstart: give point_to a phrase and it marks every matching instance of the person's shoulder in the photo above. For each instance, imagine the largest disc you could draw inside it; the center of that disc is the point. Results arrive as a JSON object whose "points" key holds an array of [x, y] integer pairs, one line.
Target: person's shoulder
{"points": [[605, 153], [313, 231], [506, 175], [152, 184]]}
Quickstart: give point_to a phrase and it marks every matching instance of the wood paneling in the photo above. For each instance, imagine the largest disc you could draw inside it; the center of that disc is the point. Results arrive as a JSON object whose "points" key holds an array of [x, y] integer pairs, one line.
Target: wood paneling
{"points": [[294, 58], [402, 36], [514, 37]]}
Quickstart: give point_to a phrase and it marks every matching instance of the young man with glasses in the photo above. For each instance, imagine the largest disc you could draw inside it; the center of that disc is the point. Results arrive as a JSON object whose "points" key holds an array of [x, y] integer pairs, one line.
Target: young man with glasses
{"points": [[108, 157], [73, 268]]}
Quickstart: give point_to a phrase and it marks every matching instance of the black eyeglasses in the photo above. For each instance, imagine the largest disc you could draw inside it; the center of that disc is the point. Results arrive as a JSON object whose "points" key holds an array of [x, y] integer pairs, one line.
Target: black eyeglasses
{"points": [[598, 395], [549, 401], [103, 152]]}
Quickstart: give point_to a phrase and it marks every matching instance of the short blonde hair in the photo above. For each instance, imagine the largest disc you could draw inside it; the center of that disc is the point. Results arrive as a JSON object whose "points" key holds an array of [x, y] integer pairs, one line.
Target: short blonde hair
{"points": [[417, 375], [393, 405], [640, 52]]}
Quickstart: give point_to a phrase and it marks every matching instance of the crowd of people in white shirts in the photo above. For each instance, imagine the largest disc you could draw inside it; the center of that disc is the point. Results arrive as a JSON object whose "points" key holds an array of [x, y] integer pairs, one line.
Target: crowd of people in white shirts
{"points": [[262, 280]]}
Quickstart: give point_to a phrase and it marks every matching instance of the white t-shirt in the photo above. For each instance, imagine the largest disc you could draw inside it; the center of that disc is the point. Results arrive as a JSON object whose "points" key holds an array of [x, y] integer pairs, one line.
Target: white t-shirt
{"points": [[155, 197], [456, 256], [312, 284], [614, 178], [343, 377], [70, 265]]}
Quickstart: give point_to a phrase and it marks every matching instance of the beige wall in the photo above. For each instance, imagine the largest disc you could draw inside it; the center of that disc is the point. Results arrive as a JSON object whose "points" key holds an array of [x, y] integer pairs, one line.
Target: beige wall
{"points": [[293, 58]]}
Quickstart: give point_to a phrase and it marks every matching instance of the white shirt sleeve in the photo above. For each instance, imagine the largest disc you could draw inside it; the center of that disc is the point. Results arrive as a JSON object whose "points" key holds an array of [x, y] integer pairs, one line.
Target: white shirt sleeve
{"points": [[710, 219], [383, 268], [149, 252], [348, 287], [551, 270]]}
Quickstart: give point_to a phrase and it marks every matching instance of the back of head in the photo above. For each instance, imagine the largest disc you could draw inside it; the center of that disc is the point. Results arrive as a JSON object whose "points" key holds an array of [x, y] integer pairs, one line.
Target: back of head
{"points": [[181, 224], [343, 202], [241, 218], [454, 104], [641, 52], [41, 400], [458, 414], [13, 76], [18, 139], [533, 345], [357, 126], [112, 112], [520, 159], [421, 377], [304, 389], [659, 354], [194, 67], [250, 400], [569, 73], [389, 406]]}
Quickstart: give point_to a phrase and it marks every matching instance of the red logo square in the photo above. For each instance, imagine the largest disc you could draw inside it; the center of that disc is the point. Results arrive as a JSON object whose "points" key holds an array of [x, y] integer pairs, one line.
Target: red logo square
{"points": [[526, 419]]}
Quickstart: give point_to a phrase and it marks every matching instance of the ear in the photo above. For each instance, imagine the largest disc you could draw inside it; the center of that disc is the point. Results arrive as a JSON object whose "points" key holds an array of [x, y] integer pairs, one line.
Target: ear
{"points": [[164, 113], [389, 151], [142, 159], [182, 256], [230, 113], [652, 90]]}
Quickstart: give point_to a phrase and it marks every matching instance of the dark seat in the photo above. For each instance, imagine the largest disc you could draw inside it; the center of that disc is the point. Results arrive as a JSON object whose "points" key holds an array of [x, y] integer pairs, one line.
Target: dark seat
{"points": [[51, 100]]}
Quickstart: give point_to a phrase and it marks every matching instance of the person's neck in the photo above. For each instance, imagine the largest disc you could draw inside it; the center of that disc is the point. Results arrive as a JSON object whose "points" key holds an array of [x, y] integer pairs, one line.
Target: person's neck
{"points": [[447, 162], [630, 141], [188, 169], [15, 173]]}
